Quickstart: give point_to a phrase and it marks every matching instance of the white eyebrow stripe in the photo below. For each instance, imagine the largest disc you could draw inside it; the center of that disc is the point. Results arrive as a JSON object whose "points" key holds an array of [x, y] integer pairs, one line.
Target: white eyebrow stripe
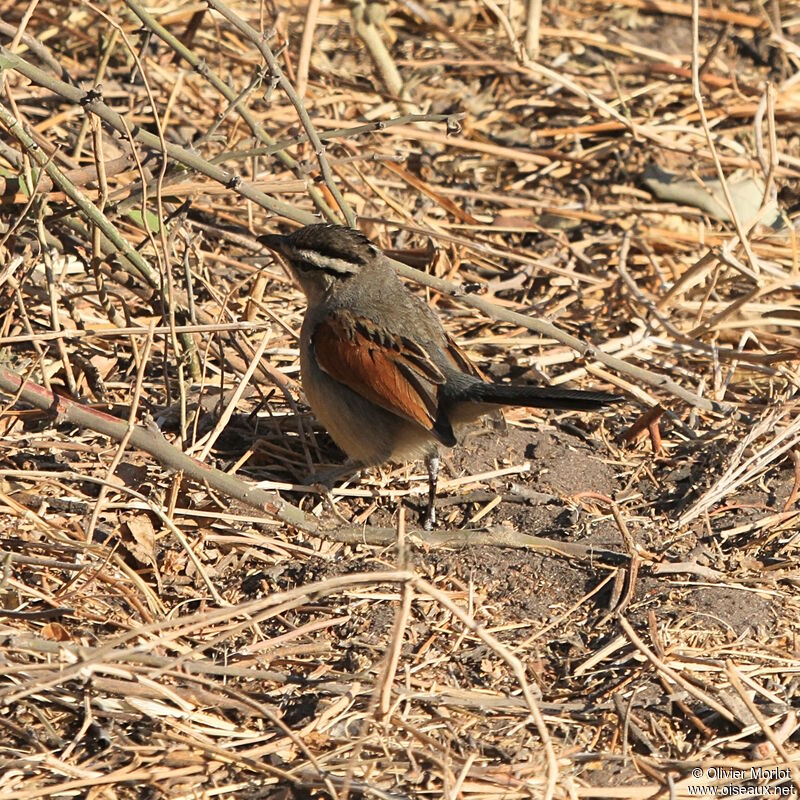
{"points": [[330, 263]]}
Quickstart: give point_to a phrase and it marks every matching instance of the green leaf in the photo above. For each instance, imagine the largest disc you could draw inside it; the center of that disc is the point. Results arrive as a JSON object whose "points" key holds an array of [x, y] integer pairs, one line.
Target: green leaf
{"points": [[153, 223]]}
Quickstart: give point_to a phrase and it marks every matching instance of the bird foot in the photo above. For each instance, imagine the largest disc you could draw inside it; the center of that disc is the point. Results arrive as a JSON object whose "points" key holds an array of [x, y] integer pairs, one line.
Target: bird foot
{"points": [[432, 464]]}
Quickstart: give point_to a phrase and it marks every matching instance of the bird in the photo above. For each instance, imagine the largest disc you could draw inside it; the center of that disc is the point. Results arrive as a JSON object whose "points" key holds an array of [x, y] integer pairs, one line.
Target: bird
{"points": [[378, 368]]}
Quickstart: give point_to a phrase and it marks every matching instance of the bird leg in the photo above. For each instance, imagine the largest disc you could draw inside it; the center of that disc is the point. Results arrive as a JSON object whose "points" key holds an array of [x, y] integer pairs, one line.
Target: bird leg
{"points": [[432, 463], [324, 480], [333, 475]]}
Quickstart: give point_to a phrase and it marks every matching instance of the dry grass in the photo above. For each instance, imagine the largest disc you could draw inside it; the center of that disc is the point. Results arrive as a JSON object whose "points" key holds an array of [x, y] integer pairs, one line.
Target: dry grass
{"points": [[160, 639]]}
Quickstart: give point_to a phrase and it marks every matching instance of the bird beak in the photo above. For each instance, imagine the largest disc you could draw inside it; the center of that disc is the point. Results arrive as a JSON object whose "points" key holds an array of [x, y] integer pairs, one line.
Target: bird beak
{"points": [[273, 241]]}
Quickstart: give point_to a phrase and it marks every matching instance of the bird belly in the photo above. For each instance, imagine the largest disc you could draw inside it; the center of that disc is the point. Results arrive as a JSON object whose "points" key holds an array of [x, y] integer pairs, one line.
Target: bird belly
{"points": [[366, 432]]}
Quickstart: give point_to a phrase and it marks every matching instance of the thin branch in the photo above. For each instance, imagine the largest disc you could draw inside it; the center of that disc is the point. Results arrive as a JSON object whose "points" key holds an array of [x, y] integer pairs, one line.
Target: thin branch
{"points": [[260, 41]]}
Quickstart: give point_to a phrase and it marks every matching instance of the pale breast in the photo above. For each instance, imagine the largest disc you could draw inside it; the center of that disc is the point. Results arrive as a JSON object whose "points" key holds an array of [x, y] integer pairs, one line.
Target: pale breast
{"points": [[366, 432]]}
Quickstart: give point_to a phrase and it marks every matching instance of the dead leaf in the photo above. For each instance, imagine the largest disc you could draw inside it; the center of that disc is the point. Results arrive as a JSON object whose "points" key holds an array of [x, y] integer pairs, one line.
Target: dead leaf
{"points": [[140, 540]]}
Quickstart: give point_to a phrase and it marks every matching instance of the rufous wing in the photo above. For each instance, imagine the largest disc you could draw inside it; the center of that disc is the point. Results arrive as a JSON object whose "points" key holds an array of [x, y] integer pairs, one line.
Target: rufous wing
{"points": [[386, 368], [461, 360]]}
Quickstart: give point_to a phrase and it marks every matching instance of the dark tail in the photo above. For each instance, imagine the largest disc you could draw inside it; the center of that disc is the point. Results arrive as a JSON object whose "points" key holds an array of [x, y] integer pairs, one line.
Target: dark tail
{"points": [[509, 394]]}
